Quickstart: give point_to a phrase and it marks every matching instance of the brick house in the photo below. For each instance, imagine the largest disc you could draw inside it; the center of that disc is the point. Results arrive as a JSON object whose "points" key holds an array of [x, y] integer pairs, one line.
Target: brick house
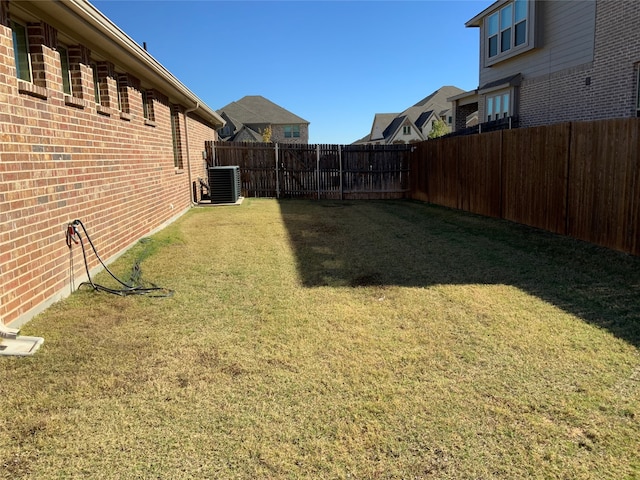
{"points": [[93, 128], [248, 117], [545, 62]]}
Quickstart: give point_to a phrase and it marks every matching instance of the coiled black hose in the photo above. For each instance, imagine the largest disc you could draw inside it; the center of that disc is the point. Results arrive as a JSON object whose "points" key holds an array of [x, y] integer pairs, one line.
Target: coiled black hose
{"points": [[136, 285]]}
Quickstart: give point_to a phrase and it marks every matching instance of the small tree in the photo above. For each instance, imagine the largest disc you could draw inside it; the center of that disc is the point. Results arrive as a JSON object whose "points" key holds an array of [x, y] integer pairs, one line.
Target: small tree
{"points": [[438, 129], [266, 134]]}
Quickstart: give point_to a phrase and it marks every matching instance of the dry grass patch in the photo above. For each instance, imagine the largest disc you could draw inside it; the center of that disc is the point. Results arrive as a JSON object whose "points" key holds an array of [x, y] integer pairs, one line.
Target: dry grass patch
{"points": [[367, 340]]}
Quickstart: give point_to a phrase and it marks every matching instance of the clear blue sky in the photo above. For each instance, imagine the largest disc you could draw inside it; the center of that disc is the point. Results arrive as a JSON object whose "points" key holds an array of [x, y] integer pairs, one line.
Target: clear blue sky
{"points": [[334, 63]]}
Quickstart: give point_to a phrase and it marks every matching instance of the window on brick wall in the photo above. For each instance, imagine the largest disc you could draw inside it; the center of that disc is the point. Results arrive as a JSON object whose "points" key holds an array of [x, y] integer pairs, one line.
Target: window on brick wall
{"points": [[147, 105], [64, 65], [96, 82], [175, 133], [21, 51], [123, 93], [292, 131], [508, 30]]}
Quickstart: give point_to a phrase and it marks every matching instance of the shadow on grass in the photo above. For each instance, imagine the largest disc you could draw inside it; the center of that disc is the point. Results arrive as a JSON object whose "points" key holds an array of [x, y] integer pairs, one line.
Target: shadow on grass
{"points": [[405, 243]]}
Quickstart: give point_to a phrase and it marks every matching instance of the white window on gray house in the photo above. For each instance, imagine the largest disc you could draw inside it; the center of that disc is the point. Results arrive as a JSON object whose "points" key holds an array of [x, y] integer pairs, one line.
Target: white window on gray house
{"points": [[21, 51], [498, 106], [406, 130], [507, 28], [66, 72], [292, 131]]}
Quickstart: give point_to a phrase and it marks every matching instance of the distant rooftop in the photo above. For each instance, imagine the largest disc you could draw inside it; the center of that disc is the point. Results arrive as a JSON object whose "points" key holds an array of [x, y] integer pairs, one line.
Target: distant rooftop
{"points": [[255, 109]]}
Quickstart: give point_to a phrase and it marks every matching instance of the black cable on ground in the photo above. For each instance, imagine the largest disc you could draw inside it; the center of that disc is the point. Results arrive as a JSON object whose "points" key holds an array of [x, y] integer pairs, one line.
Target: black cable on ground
{"points": [[136, 286]]}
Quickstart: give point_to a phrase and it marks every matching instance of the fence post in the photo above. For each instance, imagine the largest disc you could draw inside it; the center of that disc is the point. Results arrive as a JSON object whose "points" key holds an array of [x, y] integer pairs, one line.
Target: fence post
{"points": [[277, 176], [213, 155], [340, 165], [318, 168]]}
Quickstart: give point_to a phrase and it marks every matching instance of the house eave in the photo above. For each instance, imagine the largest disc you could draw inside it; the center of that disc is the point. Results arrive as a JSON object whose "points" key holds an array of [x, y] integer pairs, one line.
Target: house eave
{"points": [[465, 98], [511, 81], [110, 43]]}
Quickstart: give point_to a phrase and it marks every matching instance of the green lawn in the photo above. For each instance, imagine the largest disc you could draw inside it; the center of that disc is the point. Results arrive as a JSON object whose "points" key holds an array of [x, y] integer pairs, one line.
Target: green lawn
{"points": [[338, 340]]}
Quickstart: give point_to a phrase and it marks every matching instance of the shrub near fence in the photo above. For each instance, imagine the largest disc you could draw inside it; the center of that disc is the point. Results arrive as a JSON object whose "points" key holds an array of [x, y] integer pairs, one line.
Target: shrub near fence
{"points": [[317, 171], [580, 179]]}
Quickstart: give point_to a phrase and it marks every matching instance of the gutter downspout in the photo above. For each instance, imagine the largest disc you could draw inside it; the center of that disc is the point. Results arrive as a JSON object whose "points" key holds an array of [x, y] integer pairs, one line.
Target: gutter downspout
{"points": [[186, 141]]}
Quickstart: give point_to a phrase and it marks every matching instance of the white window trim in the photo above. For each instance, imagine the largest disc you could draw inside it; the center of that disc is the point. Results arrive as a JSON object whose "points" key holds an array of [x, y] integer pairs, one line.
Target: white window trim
{"points": [[529, 43], [490, 101]]}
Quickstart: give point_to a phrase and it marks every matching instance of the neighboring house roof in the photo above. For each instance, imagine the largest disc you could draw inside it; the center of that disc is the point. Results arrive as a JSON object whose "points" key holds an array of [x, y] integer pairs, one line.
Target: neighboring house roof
{"points": [[250, 115], [255, 109], [106, 40], [394, 126], [231, 128], [380, 122], [231, 122], [365, 139], [246, 134], [386, 125], [422, 119], [439, 97]]}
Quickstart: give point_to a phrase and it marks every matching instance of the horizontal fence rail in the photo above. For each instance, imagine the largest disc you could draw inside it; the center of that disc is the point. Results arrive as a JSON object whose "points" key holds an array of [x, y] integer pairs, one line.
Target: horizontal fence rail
{"points": [[317, 171]]}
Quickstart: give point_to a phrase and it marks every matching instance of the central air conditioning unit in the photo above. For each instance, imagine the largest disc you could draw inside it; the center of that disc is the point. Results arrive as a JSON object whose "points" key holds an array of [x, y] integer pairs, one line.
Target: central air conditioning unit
{"points": [[224, 184]]}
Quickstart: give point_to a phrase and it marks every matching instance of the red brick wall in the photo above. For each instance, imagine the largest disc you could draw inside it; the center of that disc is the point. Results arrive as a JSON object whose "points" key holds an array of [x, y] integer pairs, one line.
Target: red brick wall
{"points": [[66, 158]]}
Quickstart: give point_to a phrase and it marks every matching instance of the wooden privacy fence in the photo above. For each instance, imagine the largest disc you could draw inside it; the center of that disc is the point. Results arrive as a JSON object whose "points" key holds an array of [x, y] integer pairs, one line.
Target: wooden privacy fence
{"points": [[579, 179], [316, 171]]}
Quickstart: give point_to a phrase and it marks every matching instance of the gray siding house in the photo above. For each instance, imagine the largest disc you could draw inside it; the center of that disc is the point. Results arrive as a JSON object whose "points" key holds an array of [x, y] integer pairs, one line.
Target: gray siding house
{"points": [[544, 62], [250, 116]]}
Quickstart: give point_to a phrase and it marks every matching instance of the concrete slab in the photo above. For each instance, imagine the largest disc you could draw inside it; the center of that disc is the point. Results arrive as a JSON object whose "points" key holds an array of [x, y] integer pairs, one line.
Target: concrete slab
{"points": [[20, 346], [207, 203]]}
